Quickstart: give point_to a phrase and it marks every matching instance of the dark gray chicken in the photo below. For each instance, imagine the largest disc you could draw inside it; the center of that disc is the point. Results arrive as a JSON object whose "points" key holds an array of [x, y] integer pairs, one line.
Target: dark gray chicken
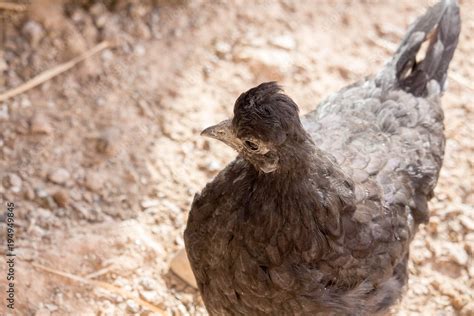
{"points": [[316, 216]]}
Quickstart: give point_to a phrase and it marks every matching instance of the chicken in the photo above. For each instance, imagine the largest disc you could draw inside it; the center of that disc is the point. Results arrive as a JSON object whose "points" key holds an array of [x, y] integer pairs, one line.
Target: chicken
{"points": [[315, 215]]}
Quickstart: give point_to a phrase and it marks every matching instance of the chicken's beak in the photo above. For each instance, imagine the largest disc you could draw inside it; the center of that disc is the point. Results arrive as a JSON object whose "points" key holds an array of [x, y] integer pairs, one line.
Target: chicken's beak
{"points": [[222, 132]]}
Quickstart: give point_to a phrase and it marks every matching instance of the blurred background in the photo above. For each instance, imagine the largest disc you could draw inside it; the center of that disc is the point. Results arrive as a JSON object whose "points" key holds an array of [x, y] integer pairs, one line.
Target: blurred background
{"points": [[103, 157]]}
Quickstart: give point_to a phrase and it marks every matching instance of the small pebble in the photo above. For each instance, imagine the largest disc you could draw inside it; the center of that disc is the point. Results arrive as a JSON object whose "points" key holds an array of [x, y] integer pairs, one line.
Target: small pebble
{"points": [[93, 182], [33, 31], [132, 306], [61, 198], [214, 165], [25, 102], [139, 50], [108, 141], [41, 193], [171, 206], [29, 193], [148, 283], [467, 222], [433, 224], [13, 181], [149, 203], [284, 41], [4, 116], [150, 296], [222, 49], [100, 101], [59, 176], [458, 254], [51, 307], [107, 55], [40, 124], [468, 309]]}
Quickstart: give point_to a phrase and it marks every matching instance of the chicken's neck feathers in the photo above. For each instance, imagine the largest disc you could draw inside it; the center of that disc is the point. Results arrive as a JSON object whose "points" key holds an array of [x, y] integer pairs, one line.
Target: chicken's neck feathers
{"points": [[307, 180]]}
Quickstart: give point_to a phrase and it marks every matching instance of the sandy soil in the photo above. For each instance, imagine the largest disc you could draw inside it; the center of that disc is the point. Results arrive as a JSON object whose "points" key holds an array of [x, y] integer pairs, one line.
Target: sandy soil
{"points": [[103, 161]]}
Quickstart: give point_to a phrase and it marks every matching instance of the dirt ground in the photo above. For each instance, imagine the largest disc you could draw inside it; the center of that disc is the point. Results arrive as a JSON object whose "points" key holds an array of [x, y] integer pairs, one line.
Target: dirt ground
{"points": [[103, 161]]}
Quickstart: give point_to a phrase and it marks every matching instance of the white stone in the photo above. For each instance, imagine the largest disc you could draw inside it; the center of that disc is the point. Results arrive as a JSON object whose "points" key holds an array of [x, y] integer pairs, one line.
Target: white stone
{"points": [[148, 283], [132, 306], [151, 297], [223, 48], [459, 255], [59, 176], [107, 55], [139, 50], [284, 41], [149, 203]]}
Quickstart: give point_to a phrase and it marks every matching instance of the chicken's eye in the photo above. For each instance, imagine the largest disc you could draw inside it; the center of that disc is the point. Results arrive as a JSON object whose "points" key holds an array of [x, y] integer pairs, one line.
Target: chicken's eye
{"points": [[251, 145]]}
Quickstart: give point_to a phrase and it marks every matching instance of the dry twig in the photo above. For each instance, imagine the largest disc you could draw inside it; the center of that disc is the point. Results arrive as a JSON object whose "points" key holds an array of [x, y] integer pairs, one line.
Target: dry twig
{"points": [[12, 6], [100, 272], [53, 72], [109, 287]]}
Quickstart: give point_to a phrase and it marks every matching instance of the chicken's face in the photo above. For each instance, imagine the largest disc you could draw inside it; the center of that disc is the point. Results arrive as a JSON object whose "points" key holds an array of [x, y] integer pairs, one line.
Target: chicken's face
{"points": [[265, 125]]}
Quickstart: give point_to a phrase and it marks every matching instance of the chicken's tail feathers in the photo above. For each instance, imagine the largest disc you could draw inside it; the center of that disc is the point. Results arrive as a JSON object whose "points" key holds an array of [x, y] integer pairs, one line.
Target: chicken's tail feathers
{"points": [[440, 25]]}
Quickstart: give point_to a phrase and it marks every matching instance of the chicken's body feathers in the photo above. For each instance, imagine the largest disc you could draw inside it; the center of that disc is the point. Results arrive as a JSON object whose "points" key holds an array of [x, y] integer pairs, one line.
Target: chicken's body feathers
{"points": [[330, 233]]}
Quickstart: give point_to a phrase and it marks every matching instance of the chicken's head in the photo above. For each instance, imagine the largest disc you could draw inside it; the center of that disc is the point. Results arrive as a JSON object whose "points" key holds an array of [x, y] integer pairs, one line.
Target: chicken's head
{"points": [[265, 127]]}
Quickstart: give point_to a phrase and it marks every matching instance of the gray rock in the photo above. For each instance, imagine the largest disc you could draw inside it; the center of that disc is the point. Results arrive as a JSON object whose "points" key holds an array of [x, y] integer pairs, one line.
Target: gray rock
{"points": [[4, 116], [33, 31], [41, 193]]}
